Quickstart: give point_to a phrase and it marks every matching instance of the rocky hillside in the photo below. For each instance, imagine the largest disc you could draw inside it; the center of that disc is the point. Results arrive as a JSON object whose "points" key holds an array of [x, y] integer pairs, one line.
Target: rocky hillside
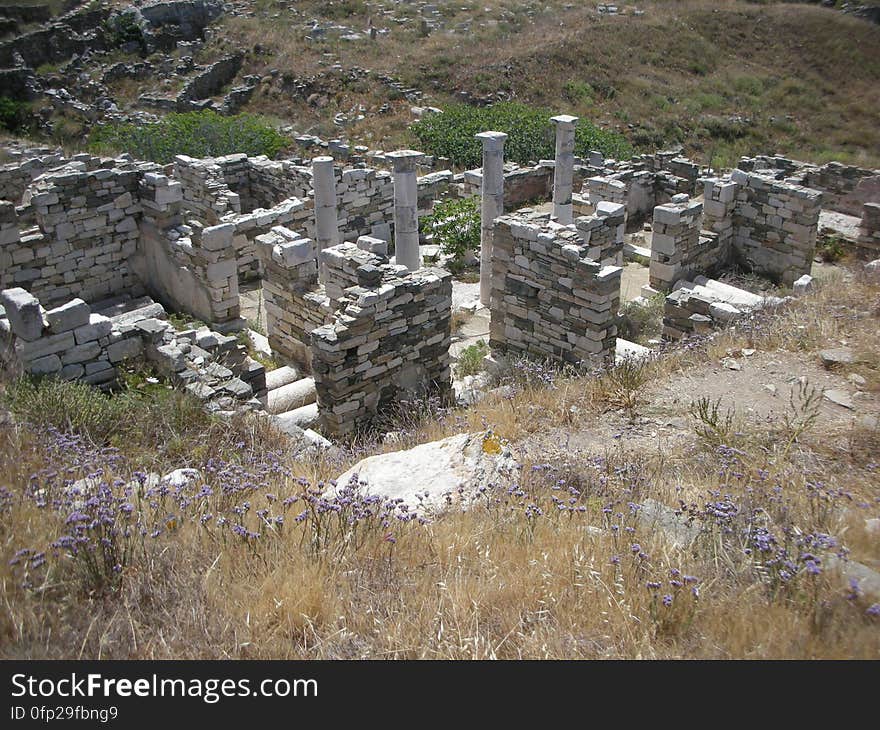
{"points": [[723, 80]]}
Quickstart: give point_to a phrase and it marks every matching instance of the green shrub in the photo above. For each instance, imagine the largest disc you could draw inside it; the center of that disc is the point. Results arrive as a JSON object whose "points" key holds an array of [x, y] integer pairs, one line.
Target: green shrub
{"points": [[470, 361], [123, 28], [641, 322], [529, 129], [455, 225], [577, 91], [831, 249], [197, 134], [15, 116]]}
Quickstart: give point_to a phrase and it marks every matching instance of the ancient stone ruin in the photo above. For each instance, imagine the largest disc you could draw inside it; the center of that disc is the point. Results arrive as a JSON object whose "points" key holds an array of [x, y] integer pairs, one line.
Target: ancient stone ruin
{"points": [[95, 252]]}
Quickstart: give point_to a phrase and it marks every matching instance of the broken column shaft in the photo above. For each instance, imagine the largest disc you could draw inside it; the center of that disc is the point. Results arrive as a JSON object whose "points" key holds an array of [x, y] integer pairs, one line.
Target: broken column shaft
{"points": [[492, 204], [326, 222], [406, 208], [564, 170]]}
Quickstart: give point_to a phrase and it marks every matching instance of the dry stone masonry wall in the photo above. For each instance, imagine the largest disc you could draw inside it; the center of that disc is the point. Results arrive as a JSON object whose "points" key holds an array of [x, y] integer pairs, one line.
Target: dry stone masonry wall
{"points": [[775, 226], [86, 231], [869, 229], [293, 302], [549, 298], [676, 245], [766, 225], [69, 341], [389, 339]]}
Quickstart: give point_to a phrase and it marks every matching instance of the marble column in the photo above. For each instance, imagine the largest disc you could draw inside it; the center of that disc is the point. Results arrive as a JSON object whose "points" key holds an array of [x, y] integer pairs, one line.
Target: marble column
{"points": [[564, 170], [406, 208], [492, 204], [326, 222]]}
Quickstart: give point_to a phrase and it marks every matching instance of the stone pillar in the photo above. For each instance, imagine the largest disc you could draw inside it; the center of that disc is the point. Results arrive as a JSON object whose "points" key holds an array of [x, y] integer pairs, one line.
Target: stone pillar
{"points": [[326, 223], [406, 208], [564, 171], [492, 204]]}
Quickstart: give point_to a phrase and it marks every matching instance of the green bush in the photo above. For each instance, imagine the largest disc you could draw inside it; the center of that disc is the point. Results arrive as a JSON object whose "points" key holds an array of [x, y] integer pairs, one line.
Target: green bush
{"points": [[577, 91], [15, 116], [831, 249], [529, 129], [455, 225], [470, 361], [123, 28], [197, 134]]}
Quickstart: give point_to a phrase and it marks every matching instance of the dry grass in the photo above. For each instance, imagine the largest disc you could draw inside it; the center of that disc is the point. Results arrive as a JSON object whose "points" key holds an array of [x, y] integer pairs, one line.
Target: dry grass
{"points": [[499, 580], [801, 76]]}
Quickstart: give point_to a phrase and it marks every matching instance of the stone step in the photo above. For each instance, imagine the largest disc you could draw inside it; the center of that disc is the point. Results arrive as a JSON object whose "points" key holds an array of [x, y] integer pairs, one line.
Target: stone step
{"points": [[739, 298], [150, 311], [291, 396], [116, 306]]}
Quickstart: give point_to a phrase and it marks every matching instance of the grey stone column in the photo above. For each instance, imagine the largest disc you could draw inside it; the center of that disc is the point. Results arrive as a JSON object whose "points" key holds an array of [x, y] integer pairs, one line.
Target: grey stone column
{"points": [[326, 222], [564, 171], [492, 204], [406, 208]]}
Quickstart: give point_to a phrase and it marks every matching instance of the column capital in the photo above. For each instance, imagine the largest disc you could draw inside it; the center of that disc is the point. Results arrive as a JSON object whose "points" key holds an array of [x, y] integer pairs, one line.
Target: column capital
{"points": [[404, 160], [564, 120], [492, 140]]}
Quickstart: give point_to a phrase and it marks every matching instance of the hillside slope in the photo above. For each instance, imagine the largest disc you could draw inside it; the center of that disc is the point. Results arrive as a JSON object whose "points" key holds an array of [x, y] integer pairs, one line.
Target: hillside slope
{"points": [[722, 79]]}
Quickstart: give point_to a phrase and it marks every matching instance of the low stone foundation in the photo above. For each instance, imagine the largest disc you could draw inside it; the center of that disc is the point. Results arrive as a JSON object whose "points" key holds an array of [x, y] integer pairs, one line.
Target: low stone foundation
{"points": [[549, 298], [869, 229], [389, 339]]}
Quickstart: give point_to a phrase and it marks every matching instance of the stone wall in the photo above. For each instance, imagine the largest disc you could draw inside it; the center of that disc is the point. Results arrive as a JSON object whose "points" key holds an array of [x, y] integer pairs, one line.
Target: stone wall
{"points": [[869, 229], [107, 228], [602, 233], [69, 341], [846, 187], [640, 188], [292, 213], [389, 339], [522, 185], [606, 188], [191, 267], [206, 193], [87, 228], [764, 224], [677, 248], [549, 299], [15, 177], [256, 193], [73, 342], [208, 82], [264, 192], [775, 226], [719, 204], [293, 303], [699, 306], [77, 32]]}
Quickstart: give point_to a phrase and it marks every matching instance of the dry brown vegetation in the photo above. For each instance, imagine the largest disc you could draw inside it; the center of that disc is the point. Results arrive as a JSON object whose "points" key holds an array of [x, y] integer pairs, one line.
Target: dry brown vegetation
{"points": [[722, 79], [514, 575]]}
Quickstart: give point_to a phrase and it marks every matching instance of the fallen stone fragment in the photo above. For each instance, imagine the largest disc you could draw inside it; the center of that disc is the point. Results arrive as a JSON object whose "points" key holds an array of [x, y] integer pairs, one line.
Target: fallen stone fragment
{"points": [[839, 397], [836, 356], [467, 461]]}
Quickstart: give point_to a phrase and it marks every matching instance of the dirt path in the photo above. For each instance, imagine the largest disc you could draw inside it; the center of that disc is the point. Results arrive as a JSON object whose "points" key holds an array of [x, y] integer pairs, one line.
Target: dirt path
{"points": [[759, 393]]}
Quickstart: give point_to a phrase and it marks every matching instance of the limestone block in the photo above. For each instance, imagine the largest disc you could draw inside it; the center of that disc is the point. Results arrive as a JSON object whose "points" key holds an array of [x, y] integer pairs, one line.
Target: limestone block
{"points": [[69, 316], [23, 312], [99, 326], [81, 353]]}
